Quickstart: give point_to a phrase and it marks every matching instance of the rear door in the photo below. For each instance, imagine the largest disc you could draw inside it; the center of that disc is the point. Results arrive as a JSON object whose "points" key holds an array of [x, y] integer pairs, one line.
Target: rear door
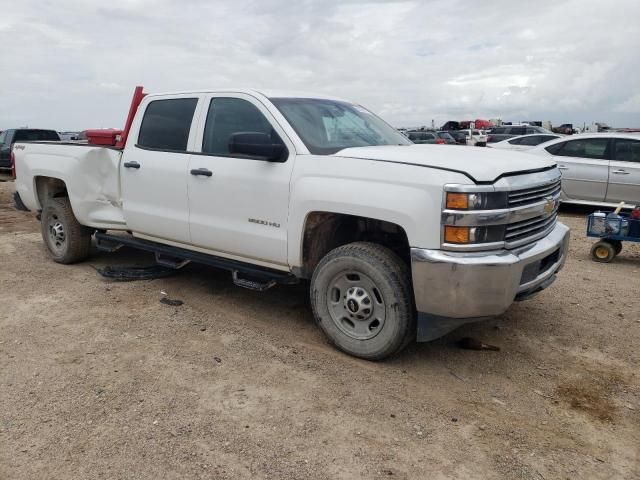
{"points": [[624, 172], [585, 167], [154, 169], [240, 207]]}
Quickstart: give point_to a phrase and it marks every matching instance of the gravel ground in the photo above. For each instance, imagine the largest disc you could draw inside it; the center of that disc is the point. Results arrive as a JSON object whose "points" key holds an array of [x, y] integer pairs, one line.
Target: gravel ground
{"points": [[101, 380]]}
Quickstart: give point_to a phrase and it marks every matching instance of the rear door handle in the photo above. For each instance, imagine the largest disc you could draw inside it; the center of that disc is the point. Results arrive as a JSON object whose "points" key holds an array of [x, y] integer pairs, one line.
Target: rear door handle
{"points": [[201, 171], [562, 167], [621, 172], [131, 165]]}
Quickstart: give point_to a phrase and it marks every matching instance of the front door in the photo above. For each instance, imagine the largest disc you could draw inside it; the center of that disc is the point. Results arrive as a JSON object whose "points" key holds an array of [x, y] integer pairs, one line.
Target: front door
{"points": [[584, 167], [154, 170], [624, 172], [239, 206]]}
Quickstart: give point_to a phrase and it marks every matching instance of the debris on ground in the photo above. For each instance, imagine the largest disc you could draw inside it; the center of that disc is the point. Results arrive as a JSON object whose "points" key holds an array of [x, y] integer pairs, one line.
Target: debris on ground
{"points": [[128, 274], [469, 343], [170, 302]]}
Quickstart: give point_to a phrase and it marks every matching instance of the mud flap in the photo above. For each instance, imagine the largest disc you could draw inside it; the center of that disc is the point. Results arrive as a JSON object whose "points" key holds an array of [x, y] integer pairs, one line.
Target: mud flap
{"points": [[431, 327]]}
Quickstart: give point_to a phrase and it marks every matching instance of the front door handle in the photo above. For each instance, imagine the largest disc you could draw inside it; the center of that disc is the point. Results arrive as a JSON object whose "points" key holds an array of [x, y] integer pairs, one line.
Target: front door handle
{"points": [[201, 171], [562, 167], [131, 165], [621, 172]]}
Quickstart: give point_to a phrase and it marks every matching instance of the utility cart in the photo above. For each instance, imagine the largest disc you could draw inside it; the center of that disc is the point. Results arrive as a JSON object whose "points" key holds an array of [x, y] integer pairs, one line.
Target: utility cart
{"points": [[612, 230]]}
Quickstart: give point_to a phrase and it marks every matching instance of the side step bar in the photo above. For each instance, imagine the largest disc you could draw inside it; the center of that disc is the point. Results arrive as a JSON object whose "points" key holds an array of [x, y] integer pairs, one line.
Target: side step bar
{"points": [[244, 275]]}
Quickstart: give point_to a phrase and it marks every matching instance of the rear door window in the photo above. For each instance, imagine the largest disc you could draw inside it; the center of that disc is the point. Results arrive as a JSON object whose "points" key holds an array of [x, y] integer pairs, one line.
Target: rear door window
{"points": [[3, 136], [516, 141], [166, 124]]}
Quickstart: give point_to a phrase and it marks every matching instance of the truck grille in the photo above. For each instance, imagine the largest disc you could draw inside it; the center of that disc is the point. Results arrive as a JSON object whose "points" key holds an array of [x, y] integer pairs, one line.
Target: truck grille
{"points": [[519, 233], [526, 196]]}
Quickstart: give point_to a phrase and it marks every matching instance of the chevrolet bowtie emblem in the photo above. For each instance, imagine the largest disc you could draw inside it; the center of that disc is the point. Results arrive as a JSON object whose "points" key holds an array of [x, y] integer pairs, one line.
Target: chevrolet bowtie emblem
{"points": [[550, 205]]}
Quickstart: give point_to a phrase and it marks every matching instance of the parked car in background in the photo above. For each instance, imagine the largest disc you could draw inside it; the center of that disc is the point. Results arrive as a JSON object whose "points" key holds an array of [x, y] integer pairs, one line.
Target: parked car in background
{"points": [[498, 134], [524, 142], [459, 136], [82, 136], [68, 136], [451, 125], [597, 168], [478, 123], [447, 137], [475, 138], [564, 129], [424, 136], [13, 135]]}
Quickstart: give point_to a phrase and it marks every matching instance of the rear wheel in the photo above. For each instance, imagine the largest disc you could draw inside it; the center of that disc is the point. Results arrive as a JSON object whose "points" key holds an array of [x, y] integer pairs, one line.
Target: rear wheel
{"points": [[361, 297], [66, 239], [603, 251]]}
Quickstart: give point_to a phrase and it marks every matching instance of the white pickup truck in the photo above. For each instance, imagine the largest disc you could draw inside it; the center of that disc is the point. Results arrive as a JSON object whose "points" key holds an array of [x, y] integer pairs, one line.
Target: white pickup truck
{"points": [[398, 241]]}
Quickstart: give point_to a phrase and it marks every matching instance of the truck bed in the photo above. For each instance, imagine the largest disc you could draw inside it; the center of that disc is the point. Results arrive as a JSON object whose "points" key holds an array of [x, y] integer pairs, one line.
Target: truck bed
{"points": [[90, 173]]}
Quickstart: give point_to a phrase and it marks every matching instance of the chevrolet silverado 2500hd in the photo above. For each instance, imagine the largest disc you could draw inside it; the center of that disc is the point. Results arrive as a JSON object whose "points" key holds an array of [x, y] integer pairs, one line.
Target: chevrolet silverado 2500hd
{"points": [[397, 240]]}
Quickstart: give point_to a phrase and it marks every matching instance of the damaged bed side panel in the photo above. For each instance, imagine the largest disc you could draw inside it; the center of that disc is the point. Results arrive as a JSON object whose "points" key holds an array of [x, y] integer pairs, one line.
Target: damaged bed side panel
{"points": [[90, 173]]}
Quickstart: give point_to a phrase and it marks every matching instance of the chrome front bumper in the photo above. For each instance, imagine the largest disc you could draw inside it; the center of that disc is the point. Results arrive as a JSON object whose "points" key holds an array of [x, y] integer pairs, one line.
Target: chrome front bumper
{"points": [[452, 288]]}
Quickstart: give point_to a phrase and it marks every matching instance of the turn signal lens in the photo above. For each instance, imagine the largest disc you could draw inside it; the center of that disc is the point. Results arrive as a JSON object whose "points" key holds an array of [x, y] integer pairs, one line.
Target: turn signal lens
{"points": [[457, 234], [458, 201]]}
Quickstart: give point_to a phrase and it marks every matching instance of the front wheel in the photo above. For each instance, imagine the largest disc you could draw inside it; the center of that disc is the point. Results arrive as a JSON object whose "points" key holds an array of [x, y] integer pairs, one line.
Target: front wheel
{"points": [[362, 299], [66, 240]]}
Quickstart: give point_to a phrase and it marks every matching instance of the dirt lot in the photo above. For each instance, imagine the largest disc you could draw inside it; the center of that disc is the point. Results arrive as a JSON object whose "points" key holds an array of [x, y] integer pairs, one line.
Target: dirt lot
{"points": [[101, 380]]}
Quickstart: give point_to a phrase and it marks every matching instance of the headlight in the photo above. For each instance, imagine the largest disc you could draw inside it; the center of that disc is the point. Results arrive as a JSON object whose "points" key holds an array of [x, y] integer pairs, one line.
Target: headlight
{"points": [[472, 235], [476, 201]]}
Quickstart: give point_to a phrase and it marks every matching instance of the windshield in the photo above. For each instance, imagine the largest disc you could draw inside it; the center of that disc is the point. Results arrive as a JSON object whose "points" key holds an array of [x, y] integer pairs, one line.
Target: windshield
{"points": [[328, 126]]}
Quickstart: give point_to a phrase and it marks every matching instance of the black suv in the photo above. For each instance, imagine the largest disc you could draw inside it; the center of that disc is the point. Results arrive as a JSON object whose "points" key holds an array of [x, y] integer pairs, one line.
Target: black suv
{"points": [[13, 135], [497, 134]]}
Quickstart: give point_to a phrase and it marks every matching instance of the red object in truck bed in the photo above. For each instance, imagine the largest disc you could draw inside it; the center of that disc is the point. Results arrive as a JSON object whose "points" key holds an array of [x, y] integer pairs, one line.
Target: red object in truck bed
{"points": [[107, 138], [117, 138]]}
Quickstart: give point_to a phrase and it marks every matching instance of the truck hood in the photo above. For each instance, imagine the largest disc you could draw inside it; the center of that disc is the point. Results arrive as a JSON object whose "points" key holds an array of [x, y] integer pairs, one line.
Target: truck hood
{"points": [[480, 164]]}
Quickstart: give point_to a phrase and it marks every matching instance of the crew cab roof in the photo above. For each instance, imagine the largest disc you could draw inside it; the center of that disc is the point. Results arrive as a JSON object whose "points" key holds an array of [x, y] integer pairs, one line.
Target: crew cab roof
{"points": [[255, 92]]}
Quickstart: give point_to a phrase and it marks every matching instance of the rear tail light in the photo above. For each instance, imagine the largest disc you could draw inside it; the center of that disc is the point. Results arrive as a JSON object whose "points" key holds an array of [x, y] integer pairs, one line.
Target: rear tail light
{"points": [[13, 164], [440, 141]]}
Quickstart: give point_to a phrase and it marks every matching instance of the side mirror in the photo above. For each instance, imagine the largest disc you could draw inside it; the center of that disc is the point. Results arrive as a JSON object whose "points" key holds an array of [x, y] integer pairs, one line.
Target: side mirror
{"points": [[257, 144]]}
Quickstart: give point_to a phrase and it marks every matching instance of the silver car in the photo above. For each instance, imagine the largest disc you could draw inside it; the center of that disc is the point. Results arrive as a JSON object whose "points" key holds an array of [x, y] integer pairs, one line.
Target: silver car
{"points": [[598, 168]]}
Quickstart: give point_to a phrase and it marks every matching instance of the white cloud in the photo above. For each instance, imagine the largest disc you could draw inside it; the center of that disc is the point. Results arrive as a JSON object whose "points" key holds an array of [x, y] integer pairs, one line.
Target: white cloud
{"points": [[67, 67], [631, 105]]}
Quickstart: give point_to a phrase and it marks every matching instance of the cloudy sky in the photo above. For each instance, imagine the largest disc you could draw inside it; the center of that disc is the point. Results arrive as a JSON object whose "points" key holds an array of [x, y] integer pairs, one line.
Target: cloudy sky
{"points": [[73, 64]]}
